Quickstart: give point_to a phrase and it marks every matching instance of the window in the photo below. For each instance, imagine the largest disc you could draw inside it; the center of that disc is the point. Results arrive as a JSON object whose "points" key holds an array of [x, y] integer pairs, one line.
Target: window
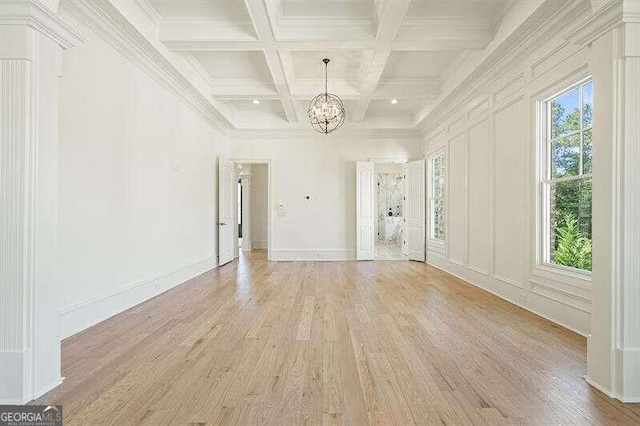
{"points": [[566, 177], [436, 197]]}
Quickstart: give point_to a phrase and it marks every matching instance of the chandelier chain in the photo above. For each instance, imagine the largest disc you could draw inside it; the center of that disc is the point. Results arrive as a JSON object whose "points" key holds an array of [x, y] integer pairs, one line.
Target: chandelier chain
{"points": [[326, 73]]}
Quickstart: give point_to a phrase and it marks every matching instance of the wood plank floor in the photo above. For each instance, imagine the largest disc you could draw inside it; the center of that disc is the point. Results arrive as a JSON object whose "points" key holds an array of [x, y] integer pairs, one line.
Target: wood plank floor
{"points": [[258, 342]]}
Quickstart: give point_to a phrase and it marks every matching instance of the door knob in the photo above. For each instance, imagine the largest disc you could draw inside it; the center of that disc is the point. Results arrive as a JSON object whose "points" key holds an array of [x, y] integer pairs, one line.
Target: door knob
{"points": [[222, 224]]}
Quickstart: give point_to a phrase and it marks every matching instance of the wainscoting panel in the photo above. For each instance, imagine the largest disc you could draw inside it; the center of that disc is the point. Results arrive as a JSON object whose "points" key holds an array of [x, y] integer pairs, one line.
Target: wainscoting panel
{"points": [[479, 244], [457, 189], [509, 188]]}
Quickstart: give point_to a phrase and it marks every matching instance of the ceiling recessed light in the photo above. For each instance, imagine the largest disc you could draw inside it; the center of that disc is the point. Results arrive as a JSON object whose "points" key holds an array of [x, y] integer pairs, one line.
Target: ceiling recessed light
{"points": [[394, 101], [256, 102]]}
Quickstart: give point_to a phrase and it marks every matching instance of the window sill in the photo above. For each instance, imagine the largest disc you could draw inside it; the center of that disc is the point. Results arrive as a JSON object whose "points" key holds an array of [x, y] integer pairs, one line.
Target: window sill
{"points": [[435, 244], [563, 274]]}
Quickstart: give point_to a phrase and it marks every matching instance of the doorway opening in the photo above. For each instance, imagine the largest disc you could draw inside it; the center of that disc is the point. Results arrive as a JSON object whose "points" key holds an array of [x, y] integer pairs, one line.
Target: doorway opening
{"points": [[239, 213], [386, 228], [389, 201], [252, 210]]}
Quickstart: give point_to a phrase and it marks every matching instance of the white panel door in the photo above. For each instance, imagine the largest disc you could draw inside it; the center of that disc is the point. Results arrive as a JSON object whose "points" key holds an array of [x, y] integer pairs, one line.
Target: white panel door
{"points": [[365, 211], [405, 208], [225, 212], [415, 212]]}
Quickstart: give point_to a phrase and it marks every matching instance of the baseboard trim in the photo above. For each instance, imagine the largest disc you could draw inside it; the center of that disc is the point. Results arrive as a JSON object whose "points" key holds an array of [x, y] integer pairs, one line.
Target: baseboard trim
{"points": [[259, 244], [45, 389], [444, 268], [312, 255], [599, 387], [16, 379], [628, 379], [82, 315], [610, 394]]}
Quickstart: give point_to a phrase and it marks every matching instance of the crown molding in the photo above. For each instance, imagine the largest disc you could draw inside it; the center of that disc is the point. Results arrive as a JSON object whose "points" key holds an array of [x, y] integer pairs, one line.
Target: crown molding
{"points": [[35, 15], [151, 13], [198, 28], [198, 67], [342, 134], [601, 22], [547, 21], [108, 23]]}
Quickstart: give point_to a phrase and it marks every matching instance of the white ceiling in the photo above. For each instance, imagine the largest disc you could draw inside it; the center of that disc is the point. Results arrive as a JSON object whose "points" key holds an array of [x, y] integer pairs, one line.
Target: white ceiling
{"points": [[328, 8], [271, 50]]}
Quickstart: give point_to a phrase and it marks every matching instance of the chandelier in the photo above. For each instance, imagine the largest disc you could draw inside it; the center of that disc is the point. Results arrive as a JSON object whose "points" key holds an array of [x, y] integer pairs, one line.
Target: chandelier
{"points": [[326, 111]]}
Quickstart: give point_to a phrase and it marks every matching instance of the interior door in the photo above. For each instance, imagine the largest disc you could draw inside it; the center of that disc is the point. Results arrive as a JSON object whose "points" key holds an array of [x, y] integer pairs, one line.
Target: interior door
{"points": [[405, 209], [225, 212], [365, 211], [415, 212]]}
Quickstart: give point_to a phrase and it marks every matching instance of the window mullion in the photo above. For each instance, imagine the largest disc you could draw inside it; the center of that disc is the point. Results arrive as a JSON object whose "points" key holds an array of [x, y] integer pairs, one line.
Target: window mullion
{"points": [[567, 179], [581, 106], [566, 135]]}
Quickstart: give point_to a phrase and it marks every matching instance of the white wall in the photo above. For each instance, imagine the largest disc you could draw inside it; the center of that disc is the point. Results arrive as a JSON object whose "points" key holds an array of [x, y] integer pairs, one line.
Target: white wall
{"points": [[322, 228], [138, 186], [259, 206], [490, 139]]}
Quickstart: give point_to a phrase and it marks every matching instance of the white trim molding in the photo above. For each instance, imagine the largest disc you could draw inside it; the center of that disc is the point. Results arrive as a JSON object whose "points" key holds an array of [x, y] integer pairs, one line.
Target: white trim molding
{"points": [[80, 316], [612, 33], [603, 20], [313, 255], [111, 25], [17, 229], [31, 39], [35, 15], [351, 132], [541, 25], [259, 244], [605, 391]]}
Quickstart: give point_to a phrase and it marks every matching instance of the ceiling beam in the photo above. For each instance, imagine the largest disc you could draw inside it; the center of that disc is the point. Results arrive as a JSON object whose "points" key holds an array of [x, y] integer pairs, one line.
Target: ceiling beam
{"points": [[389, 22], [455, 33], [206, 28], [188, 43], [263, 25], [196, 34], [305, 89], [287, 65]]}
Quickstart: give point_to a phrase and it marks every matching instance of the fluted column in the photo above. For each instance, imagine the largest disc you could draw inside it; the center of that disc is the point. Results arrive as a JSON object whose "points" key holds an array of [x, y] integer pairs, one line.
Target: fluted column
{"points": [[245, 179], [628, 205], [612, 33], [31, 38]]}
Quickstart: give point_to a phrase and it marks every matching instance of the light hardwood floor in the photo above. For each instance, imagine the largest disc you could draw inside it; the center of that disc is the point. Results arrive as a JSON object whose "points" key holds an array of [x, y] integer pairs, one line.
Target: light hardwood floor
{"points": [[256, 342]]}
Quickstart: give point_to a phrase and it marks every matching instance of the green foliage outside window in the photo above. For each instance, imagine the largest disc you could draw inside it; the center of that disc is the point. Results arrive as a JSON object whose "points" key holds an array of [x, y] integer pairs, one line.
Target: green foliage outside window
{"points": [[572, 248], [571, 150], [437, 191]]}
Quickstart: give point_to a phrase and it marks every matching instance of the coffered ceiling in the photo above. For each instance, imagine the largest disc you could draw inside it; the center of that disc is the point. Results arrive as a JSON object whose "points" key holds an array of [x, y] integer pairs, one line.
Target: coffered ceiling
{"points": [[271, 51]]}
